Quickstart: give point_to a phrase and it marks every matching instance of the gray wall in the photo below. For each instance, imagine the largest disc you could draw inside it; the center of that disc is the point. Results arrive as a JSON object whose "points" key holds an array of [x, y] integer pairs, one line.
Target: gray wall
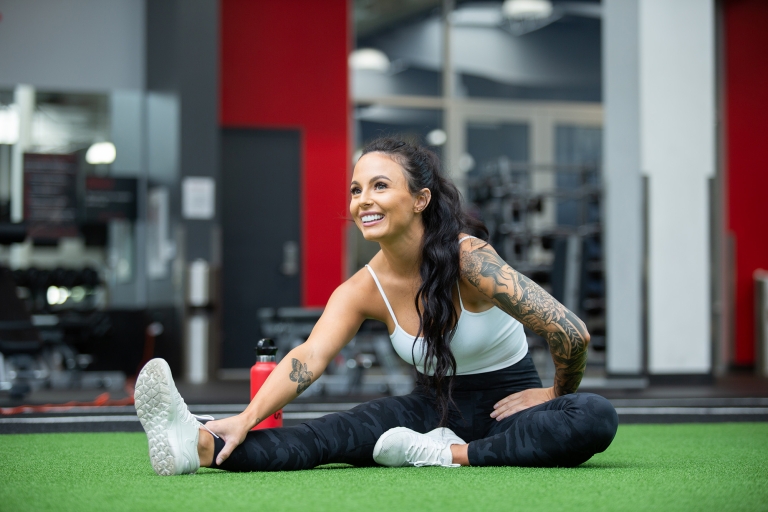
{"points": [[182, 58], [77, 45]]}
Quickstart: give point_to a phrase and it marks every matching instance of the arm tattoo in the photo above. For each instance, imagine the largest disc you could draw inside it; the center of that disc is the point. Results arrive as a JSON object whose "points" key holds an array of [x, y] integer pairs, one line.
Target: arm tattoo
{"points": [[526, 301], [301, 375]]}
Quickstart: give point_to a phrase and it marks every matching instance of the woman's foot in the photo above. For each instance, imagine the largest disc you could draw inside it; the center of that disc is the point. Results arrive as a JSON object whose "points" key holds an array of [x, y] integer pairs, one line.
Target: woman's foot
{"points": [[172, 431], [402, 446]]}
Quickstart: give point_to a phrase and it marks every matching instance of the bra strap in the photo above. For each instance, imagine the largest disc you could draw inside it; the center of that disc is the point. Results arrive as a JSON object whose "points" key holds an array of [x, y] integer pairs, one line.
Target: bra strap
{"points": [[383, 295], [458, 291], [466, 238]]}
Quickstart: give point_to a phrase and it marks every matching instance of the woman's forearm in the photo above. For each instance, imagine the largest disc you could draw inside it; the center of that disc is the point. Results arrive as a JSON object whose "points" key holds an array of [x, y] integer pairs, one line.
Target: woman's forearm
{"points": [[298, 369], [568, 346]]}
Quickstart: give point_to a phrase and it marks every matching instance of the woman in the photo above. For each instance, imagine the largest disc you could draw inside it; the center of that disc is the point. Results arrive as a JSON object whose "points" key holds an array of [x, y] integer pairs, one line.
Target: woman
{"points": [[456, 311]]}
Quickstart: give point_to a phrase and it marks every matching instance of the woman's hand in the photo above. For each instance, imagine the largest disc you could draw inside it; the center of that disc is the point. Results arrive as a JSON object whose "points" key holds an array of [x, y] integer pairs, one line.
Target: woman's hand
{"points": [[517, 402], [232, 430]]}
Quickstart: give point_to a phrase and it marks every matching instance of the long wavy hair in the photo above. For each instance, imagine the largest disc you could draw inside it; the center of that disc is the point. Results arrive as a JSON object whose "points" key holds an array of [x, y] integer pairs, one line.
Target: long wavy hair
{"points": [[444, 218]]}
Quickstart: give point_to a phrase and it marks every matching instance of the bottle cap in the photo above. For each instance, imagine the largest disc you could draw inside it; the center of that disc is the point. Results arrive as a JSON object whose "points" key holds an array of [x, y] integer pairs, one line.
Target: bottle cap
{"points": [[266, 347]]}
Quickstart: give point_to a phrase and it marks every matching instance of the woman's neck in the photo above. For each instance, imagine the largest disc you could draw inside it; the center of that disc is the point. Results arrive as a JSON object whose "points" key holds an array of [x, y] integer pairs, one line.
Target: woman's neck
{"points": [[403, 254]]}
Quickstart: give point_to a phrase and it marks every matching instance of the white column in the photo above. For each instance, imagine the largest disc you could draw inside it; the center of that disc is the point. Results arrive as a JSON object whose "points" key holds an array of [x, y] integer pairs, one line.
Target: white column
{"points": [[622, 211], [677, 112], [24, 97]]}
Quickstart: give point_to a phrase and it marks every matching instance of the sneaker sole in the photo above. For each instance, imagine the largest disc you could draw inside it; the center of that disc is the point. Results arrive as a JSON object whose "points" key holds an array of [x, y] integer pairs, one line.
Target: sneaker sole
{"points": [[153, 403]]}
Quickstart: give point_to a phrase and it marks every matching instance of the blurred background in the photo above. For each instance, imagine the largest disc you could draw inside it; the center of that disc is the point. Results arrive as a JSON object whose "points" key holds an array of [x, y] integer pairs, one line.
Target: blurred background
{"points": [[174, 174]]}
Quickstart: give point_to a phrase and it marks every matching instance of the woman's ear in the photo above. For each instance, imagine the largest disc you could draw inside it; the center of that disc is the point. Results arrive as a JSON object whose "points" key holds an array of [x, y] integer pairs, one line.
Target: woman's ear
{"points": [[422, 200]]}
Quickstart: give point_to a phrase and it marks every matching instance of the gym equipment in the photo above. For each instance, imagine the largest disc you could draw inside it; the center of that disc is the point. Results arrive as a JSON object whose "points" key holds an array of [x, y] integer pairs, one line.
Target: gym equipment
{"points": [[44, 315]]}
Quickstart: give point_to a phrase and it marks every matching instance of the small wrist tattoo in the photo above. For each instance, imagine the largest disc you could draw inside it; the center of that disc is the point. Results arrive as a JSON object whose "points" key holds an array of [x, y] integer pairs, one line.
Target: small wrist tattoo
{"points": [[301, 375]]}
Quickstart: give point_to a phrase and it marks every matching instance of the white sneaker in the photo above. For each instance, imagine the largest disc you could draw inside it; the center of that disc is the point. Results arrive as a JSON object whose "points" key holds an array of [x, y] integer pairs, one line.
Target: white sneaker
{"points": [[171, 429], [402, 446]]}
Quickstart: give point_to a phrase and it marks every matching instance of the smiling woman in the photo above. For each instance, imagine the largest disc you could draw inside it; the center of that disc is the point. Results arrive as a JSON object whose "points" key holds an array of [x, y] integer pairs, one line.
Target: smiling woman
{"points": [[479, 400]]}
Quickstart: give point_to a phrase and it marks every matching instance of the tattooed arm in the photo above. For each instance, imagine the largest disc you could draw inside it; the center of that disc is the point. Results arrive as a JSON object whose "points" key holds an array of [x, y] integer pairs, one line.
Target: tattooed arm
{"points": [[299, 368], [526, 301]]}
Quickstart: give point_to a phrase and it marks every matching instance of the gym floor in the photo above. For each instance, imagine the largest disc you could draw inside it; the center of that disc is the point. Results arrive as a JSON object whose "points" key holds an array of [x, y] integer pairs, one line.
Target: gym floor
{"points": [[84, 457]]}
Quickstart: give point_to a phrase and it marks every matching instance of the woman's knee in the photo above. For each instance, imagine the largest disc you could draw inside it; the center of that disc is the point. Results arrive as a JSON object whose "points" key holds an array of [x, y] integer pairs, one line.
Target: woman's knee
{"points": [[601, 420]]}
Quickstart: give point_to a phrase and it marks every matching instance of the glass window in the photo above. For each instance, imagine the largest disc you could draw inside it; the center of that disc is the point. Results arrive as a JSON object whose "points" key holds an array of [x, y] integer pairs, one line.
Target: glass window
{"points": [[578, 151]]}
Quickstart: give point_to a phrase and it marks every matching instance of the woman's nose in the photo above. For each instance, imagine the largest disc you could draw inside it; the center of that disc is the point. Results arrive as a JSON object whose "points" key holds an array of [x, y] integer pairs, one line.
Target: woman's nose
{"points": [[365, 199]]}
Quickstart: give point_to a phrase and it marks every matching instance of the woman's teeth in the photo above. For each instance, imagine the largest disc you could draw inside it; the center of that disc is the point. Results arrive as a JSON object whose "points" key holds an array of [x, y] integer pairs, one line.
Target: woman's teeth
{"points": [[371, 218]]}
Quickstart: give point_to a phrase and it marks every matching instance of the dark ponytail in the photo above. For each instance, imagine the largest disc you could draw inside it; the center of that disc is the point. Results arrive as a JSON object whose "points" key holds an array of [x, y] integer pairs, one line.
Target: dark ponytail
{"points": [[444, 218]]}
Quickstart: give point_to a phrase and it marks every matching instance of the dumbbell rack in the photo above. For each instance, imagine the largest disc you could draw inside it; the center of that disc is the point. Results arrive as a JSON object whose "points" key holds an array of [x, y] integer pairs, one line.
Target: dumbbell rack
{"points": [[564, 258], [38, 344]]}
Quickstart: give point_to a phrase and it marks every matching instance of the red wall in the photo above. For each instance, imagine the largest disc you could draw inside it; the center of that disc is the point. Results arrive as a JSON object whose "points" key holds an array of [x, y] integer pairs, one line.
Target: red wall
{"points": [[746, 104], [284, 65]]}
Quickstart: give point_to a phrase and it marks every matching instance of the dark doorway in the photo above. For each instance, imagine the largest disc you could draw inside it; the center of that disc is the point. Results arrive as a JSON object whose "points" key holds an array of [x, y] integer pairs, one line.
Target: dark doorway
{"points": [[261, 211]]}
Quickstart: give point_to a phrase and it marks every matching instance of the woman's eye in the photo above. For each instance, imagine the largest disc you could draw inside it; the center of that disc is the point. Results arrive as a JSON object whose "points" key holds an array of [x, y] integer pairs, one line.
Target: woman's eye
{"points": [[380, 186], [354, 191]]}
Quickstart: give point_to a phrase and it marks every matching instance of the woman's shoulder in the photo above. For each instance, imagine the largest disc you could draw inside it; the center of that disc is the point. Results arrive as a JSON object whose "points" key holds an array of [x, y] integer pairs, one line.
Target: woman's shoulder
{"points": [[473, 251], [469, 242], [356, 291]]}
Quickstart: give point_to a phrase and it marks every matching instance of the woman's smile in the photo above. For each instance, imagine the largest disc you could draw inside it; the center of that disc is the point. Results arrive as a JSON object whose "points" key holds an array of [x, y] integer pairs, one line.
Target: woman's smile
{"points": [[371, 218]]}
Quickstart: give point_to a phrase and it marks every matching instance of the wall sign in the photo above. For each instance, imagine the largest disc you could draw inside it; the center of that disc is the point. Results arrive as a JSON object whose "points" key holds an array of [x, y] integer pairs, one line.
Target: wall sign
{"points": [[198, 198], [109, 199], [50, 195]]}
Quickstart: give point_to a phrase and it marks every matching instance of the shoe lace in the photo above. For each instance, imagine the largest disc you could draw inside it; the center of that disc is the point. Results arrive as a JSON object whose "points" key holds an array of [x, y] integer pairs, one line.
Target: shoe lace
{"points": [[188, 417], [428, 454]]}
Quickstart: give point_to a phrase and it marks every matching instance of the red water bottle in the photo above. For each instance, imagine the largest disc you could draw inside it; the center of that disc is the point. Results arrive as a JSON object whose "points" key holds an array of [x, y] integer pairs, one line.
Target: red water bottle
{"points": [[266, 352]]}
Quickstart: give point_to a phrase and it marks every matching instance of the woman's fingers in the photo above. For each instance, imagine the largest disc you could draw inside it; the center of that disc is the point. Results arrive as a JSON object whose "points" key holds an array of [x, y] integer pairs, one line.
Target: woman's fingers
{"points": [[230, 430], [505, 405], [225, 452], [503, 401], [517, 402], [508, 410]]}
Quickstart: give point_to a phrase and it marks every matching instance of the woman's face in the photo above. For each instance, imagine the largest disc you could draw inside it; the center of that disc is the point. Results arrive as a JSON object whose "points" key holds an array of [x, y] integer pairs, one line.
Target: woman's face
{"points": [[380, 202]]}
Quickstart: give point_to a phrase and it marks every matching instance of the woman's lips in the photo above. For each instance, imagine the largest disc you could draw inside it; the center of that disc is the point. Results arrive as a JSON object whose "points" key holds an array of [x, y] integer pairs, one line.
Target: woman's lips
{"points": [[370, 219]]}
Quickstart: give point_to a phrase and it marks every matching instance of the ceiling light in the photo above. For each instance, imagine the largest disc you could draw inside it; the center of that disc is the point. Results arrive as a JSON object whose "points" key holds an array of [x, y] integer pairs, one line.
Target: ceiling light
{"points": [[369, 59], [466, 162], [519, 10], [437, 137], [101, 153]]}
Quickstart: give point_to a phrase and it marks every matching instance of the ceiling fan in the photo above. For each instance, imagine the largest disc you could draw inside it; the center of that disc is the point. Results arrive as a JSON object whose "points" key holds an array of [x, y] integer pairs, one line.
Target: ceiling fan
{"points": [[520, 17]]}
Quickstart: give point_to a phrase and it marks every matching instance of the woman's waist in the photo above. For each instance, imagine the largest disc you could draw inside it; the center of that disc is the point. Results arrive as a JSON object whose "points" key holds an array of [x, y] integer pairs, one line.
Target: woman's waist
{"points": [[519, 375]]}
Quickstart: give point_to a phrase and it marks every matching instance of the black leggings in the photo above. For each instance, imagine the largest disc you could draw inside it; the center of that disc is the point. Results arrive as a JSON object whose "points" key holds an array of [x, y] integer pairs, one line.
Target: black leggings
{"points": [[565, 431]]}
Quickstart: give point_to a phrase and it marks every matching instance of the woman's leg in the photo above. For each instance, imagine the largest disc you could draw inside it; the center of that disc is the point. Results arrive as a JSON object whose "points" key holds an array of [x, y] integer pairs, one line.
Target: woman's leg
{"points": [[566, 431], [344, 437]]}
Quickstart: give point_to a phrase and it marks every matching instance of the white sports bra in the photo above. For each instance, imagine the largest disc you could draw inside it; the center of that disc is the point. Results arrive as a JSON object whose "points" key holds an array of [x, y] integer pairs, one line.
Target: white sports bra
{"points": [[483, 342]]}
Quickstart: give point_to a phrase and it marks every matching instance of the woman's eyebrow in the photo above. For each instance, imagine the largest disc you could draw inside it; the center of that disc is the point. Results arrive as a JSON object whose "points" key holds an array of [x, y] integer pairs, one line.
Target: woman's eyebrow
{"points": [[379, 177]]}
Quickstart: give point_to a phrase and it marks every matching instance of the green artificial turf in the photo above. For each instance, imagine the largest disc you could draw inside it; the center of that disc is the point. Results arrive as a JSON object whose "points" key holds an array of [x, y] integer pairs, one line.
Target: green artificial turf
{"points": [[648, 467]]}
